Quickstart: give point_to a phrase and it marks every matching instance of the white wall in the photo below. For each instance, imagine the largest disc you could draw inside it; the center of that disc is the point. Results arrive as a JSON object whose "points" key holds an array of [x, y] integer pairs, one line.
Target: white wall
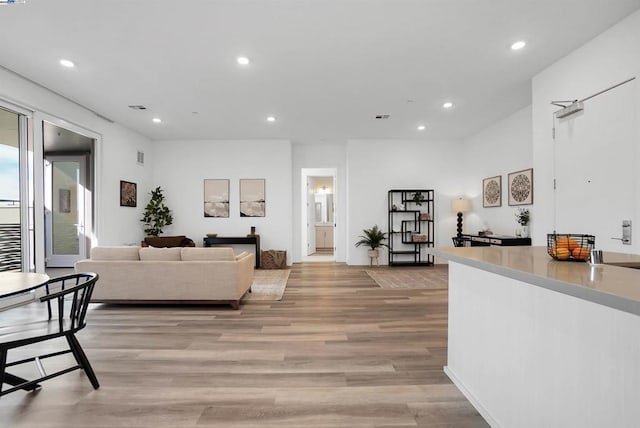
{"points": [[180, 168], [321, 156], [115, 159], [502, 148], [376, 166], [606, 60]]}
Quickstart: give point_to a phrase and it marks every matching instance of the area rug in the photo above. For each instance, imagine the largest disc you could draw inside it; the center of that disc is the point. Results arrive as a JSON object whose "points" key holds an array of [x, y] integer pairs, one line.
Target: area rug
{"points": [[433, 278], [268, 284]]}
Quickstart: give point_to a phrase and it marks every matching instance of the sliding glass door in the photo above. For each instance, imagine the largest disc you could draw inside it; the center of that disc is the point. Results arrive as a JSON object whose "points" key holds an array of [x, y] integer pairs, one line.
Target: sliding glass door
{"points": [[15, 161]]}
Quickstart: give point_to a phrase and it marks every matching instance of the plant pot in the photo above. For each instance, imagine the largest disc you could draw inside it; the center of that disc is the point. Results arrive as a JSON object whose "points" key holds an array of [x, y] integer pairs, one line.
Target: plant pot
{"points": [[373, 255]]}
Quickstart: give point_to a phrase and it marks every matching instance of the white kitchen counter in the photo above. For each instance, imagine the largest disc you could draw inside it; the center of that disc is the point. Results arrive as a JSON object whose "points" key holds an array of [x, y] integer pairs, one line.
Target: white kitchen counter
{"points": [[536, 342], [610, 285]]}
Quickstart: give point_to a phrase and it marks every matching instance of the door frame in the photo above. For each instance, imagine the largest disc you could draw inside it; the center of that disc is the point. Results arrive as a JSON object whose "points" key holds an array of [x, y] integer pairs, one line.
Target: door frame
{"points": [[92, 226], [304, 223], [83, 210]]}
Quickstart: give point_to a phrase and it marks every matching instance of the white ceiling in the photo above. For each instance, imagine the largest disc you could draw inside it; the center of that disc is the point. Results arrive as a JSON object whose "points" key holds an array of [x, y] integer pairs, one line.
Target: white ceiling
{"points": [[324, 68]]}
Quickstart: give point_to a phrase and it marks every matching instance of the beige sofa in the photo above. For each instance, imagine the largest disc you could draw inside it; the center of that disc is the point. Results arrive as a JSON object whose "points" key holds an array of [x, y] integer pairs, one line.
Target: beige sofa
{"points": [[169, 275]]}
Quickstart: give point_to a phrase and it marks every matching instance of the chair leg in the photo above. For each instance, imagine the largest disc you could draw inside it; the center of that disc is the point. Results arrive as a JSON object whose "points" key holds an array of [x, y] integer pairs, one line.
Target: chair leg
{"points": [[82, 359], [3, 362]]}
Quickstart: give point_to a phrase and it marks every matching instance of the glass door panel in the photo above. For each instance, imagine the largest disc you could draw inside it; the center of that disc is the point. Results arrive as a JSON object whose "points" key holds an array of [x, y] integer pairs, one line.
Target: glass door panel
{"points": [[10, 224], [65, 210]]}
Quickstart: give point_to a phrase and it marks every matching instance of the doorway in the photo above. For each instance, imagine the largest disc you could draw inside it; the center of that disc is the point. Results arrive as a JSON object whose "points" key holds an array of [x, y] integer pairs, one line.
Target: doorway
{"points": [[68, 164], [319, 214]]}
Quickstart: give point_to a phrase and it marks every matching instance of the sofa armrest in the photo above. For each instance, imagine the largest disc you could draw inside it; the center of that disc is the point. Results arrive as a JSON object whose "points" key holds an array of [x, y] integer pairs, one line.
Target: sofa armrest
{"points": [[246, 263]]}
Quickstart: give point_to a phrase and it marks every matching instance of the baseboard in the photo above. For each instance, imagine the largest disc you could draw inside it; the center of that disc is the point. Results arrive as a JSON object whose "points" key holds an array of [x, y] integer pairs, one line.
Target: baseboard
{"points": [[474, 402]]}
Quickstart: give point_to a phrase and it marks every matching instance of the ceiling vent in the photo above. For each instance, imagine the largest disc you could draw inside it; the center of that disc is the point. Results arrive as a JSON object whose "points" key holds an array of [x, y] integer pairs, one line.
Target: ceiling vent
{"points": [[383, 116], [138, 107], [140, 158]]}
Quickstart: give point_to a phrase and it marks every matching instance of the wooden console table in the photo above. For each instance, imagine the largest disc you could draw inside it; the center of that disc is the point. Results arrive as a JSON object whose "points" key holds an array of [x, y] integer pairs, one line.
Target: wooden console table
{"points": [[488, 240], [218, 241]]}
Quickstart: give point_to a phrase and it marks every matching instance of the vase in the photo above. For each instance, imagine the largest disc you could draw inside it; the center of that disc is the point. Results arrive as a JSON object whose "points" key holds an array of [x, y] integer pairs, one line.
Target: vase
{"points": [[525, 231]]}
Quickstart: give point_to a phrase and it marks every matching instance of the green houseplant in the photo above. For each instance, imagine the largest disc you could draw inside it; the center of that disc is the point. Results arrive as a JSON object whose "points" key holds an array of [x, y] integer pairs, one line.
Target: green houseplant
{"points": [[374, 239], [156, 214], [523, 216]]}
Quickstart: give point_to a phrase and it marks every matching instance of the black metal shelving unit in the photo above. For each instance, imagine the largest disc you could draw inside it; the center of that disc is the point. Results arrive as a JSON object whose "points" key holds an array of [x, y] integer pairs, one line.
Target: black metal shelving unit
{"points": [[411, 226]]}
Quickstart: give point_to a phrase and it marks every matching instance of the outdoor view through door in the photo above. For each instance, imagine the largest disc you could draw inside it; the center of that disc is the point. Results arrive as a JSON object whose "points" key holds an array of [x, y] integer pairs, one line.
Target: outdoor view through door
{"points": [[10, 236]]}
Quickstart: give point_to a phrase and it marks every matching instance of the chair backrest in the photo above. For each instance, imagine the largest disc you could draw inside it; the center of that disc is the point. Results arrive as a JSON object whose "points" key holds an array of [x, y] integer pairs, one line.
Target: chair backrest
{"points": [[72, 294]]}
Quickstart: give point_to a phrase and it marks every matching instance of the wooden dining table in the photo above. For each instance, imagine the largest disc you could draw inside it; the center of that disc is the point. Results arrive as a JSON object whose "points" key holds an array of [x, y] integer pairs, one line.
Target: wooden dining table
{"points": [[16, 289], [15, 283], [19, 288]]}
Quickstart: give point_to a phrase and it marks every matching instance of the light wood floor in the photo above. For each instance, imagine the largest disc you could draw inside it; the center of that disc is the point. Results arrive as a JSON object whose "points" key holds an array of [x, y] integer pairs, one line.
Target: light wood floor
{"points": [[337, 351]]}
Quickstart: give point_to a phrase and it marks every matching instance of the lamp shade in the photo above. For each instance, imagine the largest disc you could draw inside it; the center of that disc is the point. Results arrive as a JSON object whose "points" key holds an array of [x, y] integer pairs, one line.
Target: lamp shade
{"points": [[460, 205]]}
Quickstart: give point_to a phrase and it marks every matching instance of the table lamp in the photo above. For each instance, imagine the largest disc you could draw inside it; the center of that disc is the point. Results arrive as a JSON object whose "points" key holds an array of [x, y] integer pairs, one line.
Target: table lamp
{"points": [[460, 206]]}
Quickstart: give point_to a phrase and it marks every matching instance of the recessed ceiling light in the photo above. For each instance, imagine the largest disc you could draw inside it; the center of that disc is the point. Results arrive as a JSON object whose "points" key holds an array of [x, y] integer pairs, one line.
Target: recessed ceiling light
{"points": [[518, 45], [448, 104], [271, 119], [243, 60], [421, 127], [67, 63], [156, 120]]}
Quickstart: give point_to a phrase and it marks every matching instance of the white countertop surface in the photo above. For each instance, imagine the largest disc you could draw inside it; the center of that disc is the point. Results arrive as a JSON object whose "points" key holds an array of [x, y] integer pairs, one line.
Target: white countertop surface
{"points": [[613, 286]]}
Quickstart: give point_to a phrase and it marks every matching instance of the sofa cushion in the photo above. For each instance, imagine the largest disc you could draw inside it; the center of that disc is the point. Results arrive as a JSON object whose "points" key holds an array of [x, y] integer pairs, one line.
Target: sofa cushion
{"points": [[164, 254], [208, 254], [115, 253]]}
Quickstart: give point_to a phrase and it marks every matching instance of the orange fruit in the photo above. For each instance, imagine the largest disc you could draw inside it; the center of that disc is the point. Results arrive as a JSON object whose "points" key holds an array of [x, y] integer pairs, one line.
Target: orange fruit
{"points": [[580, 253], [562, 242], [552, 251], [563, 253], [566, 242]]}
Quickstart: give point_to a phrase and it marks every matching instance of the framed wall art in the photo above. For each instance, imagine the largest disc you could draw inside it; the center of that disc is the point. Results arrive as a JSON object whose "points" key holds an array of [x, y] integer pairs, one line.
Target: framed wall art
{"points": [[128, 194], [252, 197], [521, 187], [492, 192], [216, 198]]}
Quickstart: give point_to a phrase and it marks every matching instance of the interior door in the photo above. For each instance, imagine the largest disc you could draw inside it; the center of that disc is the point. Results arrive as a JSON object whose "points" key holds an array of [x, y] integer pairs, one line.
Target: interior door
{"points": [[65, 208], [311, 217], [595, 168]]}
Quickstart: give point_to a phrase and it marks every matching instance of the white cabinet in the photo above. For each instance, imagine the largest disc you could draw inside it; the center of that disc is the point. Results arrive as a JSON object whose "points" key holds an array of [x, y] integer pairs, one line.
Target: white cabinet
{"points": [[324, 236]]}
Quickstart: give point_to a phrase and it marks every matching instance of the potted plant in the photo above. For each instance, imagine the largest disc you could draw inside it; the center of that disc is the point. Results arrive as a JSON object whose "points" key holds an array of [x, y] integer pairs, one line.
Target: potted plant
{"points": [[522, 218], [373, 238], [156, 214]]}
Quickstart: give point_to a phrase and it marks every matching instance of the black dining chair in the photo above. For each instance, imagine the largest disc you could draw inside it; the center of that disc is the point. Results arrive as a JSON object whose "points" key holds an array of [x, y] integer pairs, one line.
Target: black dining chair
{"points": [[69, 298]]}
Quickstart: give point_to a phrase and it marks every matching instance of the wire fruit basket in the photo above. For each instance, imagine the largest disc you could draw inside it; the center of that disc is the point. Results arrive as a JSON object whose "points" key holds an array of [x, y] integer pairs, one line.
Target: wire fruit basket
{"points": [[570, 247]]}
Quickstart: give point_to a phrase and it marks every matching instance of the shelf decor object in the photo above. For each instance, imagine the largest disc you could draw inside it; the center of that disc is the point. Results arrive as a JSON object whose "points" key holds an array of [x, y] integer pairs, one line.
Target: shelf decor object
{"points": [[521, 187], [460, 206], [216, 198], [492, 192], [411, 226]]}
